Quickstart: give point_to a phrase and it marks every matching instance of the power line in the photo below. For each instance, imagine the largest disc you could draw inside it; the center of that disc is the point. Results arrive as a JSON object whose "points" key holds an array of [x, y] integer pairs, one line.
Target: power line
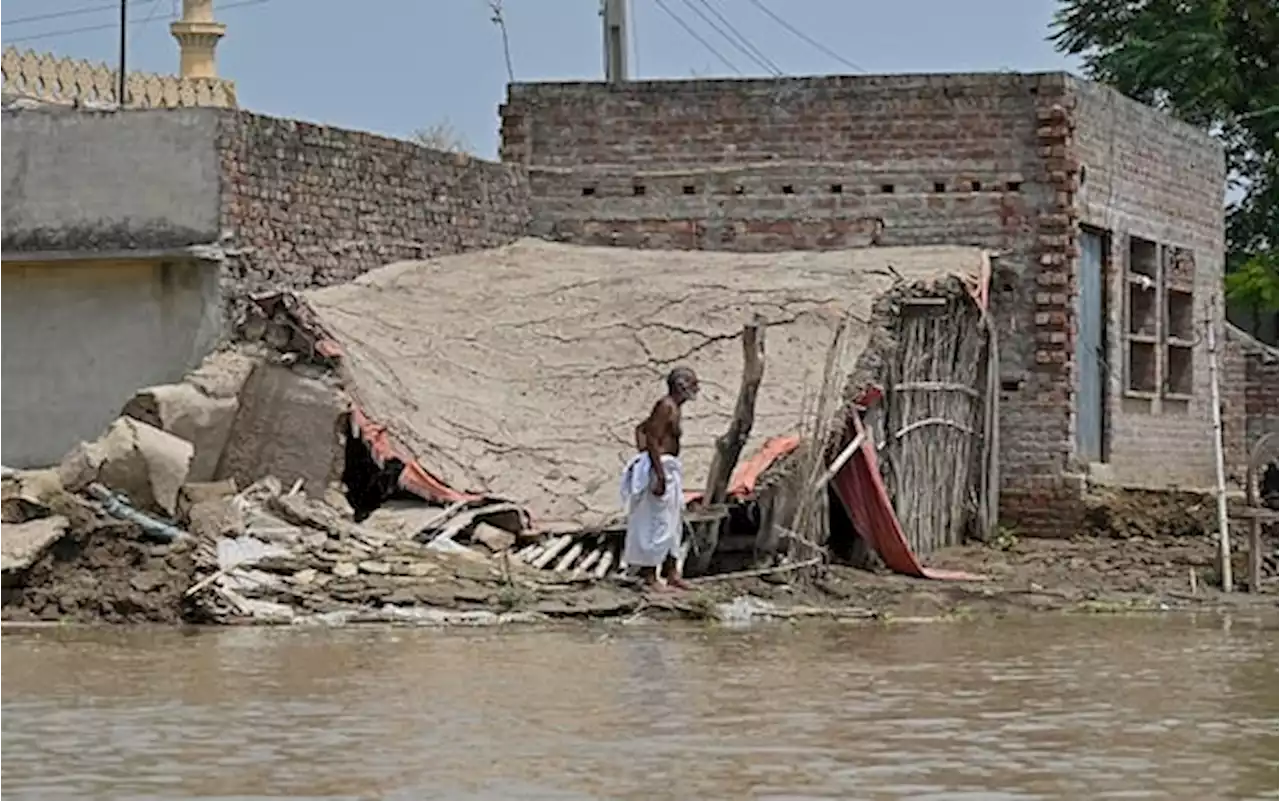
{"points": [[697, 36], [155, 6], [750, 50], [88, 28], [804, 36], [76, 12]]}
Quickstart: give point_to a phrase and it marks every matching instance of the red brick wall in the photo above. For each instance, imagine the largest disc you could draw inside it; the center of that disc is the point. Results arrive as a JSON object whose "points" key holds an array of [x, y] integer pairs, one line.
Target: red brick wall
{"points": [[754, 165], [1249, 399], [308, 205], [1147, 177], [988, 160]]}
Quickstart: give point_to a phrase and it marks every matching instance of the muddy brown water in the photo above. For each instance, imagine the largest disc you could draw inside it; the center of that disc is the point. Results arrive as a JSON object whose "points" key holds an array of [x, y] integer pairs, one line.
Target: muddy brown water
{"points": [[1048, 708]]}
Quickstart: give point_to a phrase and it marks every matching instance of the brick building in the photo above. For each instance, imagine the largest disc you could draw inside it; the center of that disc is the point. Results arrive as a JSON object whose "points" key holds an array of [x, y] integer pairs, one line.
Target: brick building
{"points": [[1105, 214]]}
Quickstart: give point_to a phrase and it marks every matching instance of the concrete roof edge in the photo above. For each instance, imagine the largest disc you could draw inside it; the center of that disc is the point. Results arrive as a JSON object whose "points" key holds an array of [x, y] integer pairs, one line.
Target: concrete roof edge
{"points": [[210, 252]]}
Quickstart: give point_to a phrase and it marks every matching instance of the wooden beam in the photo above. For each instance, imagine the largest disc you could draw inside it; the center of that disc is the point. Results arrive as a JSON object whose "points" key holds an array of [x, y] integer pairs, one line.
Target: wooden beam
{"points": [[730, 444]]}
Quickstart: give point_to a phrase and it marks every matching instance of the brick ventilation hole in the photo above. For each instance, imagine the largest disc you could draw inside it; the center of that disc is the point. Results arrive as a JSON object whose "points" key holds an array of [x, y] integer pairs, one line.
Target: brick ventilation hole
{"points": [[1013, 186], [637, 190], [690, 189], [739, 190], [837, 189], [886, 189], [975, 186], [788, 189], [939, 186], [588, 191]]}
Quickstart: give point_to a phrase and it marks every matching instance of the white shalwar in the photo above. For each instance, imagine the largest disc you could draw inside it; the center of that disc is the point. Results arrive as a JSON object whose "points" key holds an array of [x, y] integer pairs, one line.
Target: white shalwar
{"points": [[653, 522]]}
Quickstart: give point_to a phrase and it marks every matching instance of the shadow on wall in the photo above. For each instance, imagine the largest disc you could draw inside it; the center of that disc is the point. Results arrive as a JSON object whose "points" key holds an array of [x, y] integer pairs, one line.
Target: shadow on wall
{"points": [[81, 337]]}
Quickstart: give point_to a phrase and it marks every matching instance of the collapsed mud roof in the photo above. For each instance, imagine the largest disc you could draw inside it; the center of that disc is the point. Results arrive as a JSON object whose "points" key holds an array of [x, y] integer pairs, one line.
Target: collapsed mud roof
{"points": [[518, 373]]}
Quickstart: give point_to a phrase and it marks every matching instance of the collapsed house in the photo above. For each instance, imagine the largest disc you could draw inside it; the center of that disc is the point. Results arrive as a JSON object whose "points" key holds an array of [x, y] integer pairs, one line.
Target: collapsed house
{"points": [[507, 404], [522, 389]]}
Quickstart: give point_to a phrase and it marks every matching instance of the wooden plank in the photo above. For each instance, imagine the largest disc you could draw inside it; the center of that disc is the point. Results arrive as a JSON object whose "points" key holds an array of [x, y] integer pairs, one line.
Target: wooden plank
{"points": [[730, 444]]}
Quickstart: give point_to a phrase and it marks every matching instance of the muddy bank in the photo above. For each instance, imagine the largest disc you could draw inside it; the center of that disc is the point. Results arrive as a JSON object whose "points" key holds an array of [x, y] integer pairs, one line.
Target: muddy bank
{"points": [[270, 555], [99, 570], [111, 577]]}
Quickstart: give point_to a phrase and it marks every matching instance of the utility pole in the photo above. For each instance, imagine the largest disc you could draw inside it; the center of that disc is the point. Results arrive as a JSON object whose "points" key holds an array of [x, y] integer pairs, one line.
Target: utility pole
{"points": [[124, 46], [614, 14]]}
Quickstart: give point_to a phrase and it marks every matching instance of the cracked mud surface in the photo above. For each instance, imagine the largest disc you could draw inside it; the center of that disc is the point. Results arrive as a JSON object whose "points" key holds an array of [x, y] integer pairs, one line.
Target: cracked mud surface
{"points": [[521, 371]]}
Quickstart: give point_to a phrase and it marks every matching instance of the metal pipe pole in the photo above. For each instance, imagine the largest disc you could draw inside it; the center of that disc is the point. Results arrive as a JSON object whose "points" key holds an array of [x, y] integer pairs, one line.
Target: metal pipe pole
{"points": [[614, 16], [124, 46]]}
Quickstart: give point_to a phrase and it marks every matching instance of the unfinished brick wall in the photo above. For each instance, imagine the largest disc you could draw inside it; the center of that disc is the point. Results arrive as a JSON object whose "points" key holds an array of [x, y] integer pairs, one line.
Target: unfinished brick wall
{"points": [[1261, 379], [1154, 181], [1251, 378], [773, 165], [993, 160], [308, 205]]}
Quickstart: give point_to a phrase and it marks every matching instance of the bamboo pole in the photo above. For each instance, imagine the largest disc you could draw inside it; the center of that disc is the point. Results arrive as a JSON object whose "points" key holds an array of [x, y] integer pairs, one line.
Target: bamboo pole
{"points": [[554, 547], [1224, 525], [574, 551]]}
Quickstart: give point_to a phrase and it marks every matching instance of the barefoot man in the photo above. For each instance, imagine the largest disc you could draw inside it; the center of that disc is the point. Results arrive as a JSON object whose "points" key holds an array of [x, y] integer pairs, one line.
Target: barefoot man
{"points": [[654, 498]]}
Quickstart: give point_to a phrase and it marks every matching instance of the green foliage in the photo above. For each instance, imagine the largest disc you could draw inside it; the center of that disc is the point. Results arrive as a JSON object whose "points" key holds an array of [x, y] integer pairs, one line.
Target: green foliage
{"points": [[1212, 63], [1255, 282]]}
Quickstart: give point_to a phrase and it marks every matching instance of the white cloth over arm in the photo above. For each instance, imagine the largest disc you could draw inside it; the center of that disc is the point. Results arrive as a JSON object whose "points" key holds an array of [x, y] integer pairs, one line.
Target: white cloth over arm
{"points": [[654, 524]]}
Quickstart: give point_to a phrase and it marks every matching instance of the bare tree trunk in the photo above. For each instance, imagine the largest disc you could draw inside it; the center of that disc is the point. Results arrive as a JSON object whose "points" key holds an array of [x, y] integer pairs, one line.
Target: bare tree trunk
{"points": [[729, 445]]}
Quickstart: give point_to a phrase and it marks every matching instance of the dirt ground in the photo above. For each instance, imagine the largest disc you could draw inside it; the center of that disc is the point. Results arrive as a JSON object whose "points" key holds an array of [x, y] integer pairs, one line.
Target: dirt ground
{"points": [[102, 573], [109, 578], [1087, 574]]}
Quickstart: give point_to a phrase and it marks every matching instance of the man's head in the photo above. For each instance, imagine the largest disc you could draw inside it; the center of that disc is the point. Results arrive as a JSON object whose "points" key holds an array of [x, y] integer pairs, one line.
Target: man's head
{"points": [[682, 383]]}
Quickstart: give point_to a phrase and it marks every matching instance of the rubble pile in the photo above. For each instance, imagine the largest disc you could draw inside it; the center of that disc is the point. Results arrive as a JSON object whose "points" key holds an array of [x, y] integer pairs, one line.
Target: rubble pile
{"points": [[280, 556]]}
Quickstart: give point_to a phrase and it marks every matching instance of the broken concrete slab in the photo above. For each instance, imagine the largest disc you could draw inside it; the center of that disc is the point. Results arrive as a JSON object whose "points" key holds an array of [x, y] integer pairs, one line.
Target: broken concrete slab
{"points": [[23, 542], [186, 412], [287, 426], [140, 461]]}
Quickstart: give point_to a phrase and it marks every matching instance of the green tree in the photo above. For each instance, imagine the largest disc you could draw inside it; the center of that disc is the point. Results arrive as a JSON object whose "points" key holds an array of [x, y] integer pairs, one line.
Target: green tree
{"points": [[1212, 63]]}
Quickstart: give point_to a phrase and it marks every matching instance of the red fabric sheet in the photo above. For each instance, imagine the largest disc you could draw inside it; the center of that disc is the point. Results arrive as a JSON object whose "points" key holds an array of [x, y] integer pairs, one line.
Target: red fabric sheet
{"points": [[865, 498], [745, 476]]}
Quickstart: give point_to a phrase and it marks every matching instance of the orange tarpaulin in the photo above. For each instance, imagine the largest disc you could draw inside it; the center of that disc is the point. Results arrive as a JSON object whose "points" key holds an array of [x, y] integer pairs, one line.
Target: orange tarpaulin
{"points": [[864, 497]]}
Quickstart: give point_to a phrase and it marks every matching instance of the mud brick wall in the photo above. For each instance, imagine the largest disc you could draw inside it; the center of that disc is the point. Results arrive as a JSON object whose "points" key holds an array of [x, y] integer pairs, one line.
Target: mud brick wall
{"points": [[307, 205], [994, 160], [1144, 176]]}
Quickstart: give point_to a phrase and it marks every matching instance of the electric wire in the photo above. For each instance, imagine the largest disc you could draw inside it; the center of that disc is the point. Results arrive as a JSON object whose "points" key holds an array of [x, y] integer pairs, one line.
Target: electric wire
{"points": [[32, 37], [746, 47], [806, 37], [689, 30]]}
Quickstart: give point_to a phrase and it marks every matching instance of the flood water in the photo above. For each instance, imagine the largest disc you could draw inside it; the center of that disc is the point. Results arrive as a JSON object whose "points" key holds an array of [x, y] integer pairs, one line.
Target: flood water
{"points": [[1061, 708]]}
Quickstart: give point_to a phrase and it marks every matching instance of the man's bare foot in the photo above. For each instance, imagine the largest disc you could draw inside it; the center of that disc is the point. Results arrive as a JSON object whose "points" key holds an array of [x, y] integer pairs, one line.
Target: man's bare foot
{"points": [[678, 583]]}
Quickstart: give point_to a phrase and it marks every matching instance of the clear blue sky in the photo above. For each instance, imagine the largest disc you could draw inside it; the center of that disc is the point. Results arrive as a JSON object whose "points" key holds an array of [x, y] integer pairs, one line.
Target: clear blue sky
{"points": [[390, 66]]}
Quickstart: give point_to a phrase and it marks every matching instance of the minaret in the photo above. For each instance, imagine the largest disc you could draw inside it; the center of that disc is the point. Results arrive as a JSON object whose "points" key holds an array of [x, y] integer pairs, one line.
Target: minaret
{"points": [[197, 34]]}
